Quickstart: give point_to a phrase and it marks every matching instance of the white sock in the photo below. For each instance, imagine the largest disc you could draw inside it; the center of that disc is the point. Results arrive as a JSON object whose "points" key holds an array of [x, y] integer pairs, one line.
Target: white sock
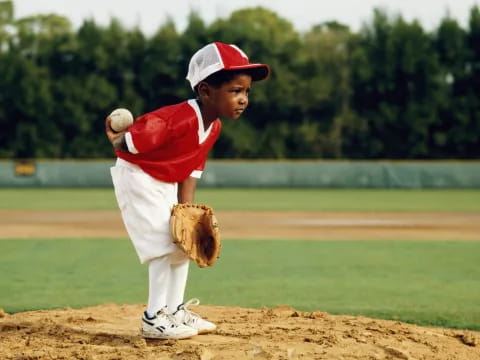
{"points": [[178, 282], [158, 281]]}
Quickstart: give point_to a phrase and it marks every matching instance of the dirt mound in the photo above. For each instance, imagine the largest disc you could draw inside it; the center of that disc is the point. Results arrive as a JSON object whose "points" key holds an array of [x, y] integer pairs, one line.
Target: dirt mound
{"points": [[111, 331]]}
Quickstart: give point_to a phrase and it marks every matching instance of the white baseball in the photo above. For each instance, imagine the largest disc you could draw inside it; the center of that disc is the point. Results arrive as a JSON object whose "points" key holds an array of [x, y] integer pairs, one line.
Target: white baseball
{"points": [[121, 119]]}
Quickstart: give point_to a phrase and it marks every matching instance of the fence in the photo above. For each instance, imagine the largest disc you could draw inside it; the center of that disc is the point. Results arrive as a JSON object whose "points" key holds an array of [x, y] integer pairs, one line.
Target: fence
{"points": [[320, 174]]}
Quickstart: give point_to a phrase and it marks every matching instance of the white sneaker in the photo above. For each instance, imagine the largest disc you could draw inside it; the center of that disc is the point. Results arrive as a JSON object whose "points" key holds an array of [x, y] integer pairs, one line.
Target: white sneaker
{"points": [[191, 319], [164, 326]]}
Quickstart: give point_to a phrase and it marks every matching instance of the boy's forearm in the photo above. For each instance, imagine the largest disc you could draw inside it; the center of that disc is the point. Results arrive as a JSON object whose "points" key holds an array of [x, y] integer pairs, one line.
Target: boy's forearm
{"points": [[120, 143], [186, 190]]}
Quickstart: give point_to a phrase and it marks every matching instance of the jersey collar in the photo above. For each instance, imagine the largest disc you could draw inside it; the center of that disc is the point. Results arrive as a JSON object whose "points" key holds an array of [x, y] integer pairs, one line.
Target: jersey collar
{"points": [[202, 133]]}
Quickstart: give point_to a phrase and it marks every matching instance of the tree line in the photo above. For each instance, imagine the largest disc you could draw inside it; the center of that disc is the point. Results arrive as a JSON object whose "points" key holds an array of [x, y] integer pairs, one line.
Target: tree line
{"points": [[390, 90]]}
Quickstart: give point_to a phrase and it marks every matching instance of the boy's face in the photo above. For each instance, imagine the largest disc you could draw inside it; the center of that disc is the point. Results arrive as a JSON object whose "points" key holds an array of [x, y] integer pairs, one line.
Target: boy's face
{"points": [[231, 98]]}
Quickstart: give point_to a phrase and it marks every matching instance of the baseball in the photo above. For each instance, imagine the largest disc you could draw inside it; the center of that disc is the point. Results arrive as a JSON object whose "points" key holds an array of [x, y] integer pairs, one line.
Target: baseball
{"points": [[121, 119]]}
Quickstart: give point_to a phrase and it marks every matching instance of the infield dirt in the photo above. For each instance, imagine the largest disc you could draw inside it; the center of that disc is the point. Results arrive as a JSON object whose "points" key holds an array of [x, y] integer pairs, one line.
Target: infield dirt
{"points": [[258, 225], [111, 331]]}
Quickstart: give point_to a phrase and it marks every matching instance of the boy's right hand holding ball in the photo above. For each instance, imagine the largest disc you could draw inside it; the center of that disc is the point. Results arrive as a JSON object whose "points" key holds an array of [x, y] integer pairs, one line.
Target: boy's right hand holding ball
{"points": [[117, 123], [116, 138], [111, 134]]}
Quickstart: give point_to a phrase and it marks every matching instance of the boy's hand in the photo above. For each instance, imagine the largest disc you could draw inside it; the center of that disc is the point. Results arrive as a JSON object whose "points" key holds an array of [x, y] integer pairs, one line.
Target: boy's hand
{"points": [[116, 138]]}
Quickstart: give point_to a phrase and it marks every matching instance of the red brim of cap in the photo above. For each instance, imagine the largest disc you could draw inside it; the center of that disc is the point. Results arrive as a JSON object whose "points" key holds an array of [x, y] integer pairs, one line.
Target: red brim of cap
{"points": [[256, 71]]}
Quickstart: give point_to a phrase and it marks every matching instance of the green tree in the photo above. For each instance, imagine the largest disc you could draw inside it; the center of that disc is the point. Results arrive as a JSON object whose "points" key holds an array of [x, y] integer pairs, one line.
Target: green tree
{"points": [[324, 92], [160, 74], [26, 116], [395, 84], [27, 86], [448, 132], [6, 20], [392, 90], [101, 77], [472, 126]]}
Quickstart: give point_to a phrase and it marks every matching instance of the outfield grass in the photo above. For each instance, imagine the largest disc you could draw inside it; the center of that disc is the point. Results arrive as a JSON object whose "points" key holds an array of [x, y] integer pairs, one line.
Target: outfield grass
{"points": [[428, 283], [258, 199]]}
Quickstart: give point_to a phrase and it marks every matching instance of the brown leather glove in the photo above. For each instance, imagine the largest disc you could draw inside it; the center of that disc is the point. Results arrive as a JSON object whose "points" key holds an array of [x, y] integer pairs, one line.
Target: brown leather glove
{"points": [[194, 228]]}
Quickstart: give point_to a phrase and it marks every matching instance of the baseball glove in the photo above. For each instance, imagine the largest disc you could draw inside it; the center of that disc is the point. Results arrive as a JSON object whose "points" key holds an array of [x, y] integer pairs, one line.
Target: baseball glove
{"points": [[194, 228]]}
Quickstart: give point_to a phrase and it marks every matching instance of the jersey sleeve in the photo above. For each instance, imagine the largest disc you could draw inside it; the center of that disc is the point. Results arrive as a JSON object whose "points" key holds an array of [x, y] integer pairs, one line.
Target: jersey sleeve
{"points": [[147, 133], [197, 173]]}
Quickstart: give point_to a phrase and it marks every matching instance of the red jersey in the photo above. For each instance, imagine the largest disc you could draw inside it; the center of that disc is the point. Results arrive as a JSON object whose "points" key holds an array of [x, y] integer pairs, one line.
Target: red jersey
{"points": [[170, 143]]}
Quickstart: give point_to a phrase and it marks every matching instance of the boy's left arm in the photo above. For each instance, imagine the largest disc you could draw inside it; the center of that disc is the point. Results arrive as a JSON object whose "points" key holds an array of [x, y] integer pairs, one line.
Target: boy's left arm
{"points": [[186, 190]]}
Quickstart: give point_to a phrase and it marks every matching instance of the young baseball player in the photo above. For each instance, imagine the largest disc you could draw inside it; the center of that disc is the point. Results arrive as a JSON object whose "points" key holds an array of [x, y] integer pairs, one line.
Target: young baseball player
{"points": [[159, 159]]}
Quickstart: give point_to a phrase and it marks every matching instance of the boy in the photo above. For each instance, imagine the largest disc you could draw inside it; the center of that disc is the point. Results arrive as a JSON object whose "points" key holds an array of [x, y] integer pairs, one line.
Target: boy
{"points": [[160, 158]]}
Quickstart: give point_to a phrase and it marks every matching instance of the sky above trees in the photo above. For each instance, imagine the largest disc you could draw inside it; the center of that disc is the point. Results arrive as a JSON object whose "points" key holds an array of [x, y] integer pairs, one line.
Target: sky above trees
{"points": [[149, 15]]}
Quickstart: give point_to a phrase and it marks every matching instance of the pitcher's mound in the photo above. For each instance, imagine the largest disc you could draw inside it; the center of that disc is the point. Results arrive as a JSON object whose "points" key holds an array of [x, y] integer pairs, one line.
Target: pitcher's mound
{"points": [[111, 331]]}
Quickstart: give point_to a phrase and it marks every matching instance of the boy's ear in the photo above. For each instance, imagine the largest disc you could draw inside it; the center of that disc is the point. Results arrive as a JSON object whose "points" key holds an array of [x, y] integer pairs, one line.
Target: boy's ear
{"points": [[203, 89]]}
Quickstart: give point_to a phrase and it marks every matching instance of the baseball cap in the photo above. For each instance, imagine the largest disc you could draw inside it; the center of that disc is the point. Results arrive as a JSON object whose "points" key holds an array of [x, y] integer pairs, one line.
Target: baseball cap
{"points": [[219, 56]]}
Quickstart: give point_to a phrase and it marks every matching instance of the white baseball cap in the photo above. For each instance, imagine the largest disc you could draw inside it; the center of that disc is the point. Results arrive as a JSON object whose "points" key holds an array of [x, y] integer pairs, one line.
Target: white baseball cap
{"points": [[219, 56]]}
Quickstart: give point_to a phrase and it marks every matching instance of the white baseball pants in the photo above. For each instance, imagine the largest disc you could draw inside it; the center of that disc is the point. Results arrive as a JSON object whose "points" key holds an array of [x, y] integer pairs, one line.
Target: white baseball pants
{"points": [[145, 204]]}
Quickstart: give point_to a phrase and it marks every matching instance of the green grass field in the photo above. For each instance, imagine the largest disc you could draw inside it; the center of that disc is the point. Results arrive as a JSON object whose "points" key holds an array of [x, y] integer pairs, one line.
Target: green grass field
{"points": [[258, 199], [433, 283], [423, 282]]}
